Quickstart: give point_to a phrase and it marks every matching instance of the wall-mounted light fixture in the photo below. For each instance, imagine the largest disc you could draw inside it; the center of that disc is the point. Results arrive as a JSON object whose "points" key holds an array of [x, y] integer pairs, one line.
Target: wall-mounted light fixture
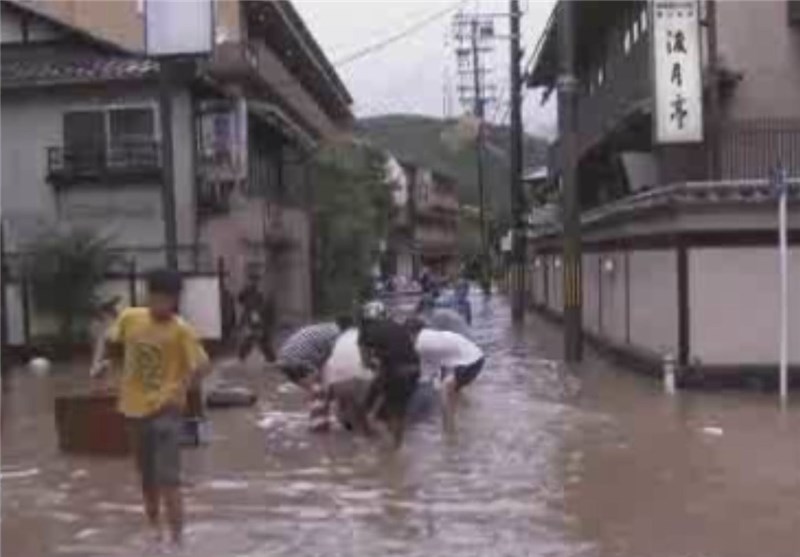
{"points": [[537, 263], [609, 266], [557, 263]]}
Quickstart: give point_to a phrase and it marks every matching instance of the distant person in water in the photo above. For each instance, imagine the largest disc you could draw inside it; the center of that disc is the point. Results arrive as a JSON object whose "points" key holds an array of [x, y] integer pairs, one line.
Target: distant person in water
{"points": [[442, 318], [461, 299], [257, 321]]}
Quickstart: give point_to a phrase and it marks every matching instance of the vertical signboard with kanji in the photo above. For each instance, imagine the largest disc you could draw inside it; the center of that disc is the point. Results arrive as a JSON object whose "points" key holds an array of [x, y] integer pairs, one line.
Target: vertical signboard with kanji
{"points": [[677, 81]]}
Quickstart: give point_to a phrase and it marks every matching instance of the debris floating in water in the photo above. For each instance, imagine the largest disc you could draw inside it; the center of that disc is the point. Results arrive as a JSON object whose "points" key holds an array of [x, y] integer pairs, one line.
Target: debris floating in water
{"points": [[19, 474]]}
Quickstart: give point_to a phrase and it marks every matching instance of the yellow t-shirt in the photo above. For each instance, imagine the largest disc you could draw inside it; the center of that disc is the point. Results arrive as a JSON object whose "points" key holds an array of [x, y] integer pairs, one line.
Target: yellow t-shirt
{"points": [[159, 357]]}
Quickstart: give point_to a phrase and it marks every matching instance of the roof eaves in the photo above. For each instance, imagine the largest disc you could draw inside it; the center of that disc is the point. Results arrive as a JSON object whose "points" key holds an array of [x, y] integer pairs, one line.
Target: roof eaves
{"points": [[544, 70], [28, 8], [296, 24]]}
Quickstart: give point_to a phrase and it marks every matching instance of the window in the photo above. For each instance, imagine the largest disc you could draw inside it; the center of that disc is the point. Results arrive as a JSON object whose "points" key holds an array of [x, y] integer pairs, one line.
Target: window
{"points": [[601, 76], [131, 126], [635, 31], [121, 136], [85, 130], [643, 19], [626, 42]]}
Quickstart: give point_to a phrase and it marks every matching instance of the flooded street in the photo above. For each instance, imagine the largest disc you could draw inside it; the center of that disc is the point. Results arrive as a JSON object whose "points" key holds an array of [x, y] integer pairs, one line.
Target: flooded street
{"points": [[544, 463]]}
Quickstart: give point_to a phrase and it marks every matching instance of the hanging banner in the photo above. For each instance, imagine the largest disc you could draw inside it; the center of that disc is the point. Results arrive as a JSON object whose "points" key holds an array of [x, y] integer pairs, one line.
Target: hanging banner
{"points": [[677, 77], [223, 139]]}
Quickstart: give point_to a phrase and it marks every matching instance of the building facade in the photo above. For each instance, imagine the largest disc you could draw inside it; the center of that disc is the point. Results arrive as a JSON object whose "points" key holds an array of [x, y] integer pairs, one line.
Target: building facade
{"points": [[679, 240], [424, 231], [82, 138]]}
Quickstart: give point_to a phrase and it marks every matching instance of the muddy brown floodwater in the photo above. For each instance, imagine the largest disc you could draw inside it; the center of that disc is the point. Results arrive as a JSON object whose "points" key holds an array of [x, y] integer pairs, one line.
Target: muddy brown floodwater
{"points": [[544, 463]]}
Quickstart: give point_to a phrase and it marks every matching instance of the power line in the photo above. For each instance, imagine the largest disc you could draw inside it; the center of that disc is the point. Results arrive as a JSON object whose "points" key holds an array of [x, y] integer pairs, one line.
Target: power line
{"points": [[367, 50]]}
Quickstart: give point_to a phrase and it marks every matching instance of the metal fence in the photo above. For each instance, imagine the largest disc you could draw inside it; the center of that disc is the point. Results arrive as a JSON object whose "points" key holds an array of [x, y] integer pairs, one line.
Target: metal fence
{"points": [[750, 149]]}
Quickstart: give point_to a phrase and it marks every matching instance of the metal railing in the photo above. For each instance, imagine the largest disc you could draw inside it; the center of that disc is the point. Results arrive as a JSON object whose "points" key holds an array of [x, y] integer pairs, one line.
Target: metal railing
{"points": [[72, 162]]}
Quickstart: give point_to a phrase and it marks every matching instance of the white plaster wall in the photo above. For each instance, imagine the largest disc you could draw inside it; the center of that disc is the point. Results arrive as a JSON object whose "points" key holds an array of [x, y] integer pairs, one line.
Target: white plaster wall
{"points": [[735, 306], [591, 295], [555, 298], [654, 300], [613, 294], [130, 213]]}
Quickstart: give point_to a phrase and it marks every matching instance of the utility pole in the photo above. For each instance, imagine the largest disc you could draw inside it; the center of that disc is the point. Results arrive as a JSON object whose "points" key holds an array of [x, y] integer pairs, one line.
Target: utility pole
{"points": [[479, 114], [166, 73], [473, 34], [568, 137], [517, 196], [713, 104], [3, 302]]}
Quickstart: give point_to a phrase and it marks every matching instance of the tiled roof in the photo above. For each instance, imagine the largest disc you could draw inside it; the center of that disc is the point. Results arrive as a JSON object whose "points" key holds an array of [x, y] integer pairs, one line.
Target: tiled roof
{"points": [[27, 73], [741, 192]]}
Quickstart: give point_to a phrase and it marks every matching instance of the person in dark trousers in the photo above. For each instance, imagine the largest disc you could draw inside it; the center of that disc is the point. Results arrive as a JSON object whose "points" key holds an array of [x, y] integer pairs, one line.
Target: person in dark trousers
{"points": [[388, 349], [257, 322]]}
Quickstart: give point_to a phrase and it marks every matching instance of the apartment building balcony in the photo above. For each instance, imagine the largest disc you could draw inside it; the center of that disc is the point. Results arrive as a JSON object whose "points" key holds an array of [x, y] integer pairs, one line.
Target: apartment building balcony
{"points": [[123, 163]]}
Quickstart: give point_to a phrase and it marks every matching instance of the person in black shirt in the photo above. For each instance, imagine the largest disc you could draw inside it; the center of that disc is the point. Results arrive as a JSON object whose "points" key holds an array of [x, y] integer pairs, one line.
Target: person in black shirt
{"points": [[257, 321], [388, 349]]}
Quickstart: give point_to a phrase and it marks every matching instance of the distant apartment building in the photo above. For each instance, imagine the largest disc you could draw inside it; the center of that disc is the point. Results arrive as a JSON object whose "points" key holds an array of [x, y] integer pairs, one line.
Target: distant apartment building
{"points": [[424, 231], [82, 141], [678, 239]]}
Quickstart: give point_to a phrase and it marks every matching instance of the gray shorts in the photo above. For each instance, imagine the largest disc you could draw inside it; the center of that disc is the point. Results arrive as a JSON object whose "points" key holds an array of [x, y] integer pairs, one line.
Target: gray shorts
{"points": [[156, 444]]}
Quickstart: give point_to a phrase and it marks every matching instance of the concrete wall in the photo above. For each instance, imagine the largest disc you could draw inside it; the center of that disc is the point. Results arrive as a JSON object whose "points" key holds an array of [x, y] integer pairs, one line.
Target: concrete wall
{"points": [[130, 213], [734, 301], [755, 38], [652, 288], [237, 237], [654, 300], [613, 286], [200, 305]]}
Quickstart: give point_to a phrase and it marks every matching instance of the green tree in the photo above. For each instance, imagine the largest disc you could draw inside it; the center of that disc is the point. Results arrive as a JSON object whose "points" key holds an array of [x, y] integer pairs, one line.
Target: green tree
{"points": [[352, 205], [65, 270]]}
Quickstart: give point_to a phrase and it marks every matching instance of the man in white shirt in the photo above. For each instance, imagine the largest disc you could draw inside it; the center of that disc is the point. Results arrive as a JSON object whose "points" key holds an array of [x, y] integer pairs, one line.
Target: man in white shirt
{"points": [[346, 380], [458, 361]]}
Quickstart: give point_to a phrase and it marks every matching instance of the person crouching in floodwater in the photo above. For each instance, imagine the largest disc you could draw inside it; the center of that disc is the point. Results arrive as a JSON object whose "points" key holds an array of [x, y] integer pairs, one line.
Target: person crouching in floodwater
{"points": [[301, 358], [388, 350]]}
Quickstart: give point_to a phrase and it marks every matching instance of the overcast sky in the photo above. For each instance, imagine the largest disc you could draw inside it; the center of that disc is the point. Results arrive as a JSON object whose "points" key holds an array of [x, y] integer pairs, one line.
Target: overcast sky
{"points": [[417, 74]]}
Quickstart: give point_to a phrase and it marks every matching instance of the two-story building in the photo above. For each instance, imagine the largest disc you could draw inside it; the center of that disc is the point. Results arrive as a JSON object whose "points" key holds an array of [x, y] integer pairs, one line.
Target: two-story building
{"points": [[82, 137], [424, 231], [679, 240]]}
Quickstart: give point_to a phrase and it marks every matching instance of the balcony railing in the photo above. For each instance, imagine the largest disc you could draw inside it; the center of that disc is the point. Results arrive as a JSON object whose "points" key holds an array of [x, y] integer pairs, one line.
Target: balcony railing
{"points": [[122, 162]]}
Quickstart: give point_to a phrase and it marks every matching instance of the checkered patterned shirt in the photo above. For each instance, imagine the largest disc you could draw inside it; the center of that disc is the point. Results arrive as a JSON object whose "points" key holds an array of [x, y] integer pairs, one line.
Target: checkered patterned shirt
{"points": [[310, 346]]}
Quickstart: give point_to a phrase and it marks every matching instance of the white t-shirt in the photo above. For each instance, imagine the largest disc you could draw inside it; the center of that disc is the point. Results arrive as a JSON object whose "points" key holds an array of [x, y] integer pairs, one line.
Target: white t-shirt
{"points": [[345, 363], [446, 349]]}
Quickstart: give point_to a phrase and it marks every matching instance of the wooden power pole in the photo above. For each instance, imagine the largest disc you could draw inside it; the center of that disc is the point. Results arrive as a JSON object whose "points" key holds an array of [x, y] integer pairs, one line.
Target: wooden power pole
{"points": [[568, 137], [517, 195]]}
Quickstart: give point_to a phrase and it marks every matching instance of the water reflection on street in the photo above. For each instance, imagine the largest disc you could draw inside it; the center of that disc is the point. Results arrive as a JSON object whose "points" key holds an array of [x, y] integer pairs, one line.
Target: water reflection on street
{"points": [[544, 463]]}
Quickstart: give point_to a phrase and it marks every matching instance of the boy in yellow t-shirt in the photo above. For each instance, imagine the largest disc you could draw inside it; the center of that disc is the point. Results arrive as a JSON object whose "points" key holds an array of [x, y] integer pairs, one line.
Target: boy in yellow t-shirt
{"points": [[161, 358]]}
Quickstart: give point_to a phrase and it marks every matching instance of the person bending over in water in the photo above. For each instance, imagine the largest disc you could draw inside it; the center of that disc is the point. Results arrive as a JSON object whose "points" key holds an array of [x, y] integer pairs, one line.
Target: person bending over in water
{"points": [[458, 359], [388, 350], [301, 359]]}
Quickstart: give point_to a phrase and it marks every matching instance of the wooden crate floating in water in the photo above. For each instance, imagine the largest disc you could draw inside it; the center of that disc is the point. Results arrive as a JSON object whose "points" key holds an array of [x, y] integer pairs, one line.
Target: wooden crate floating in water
{"points": [[91, 424]]}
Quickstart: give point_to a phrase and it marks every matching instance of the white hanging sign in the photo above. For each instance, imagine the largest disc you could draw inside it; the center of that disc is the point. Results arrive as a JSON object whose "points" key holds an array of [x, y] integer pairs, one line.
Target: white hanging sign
{"points": [[677, 82], [179, 27]]}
